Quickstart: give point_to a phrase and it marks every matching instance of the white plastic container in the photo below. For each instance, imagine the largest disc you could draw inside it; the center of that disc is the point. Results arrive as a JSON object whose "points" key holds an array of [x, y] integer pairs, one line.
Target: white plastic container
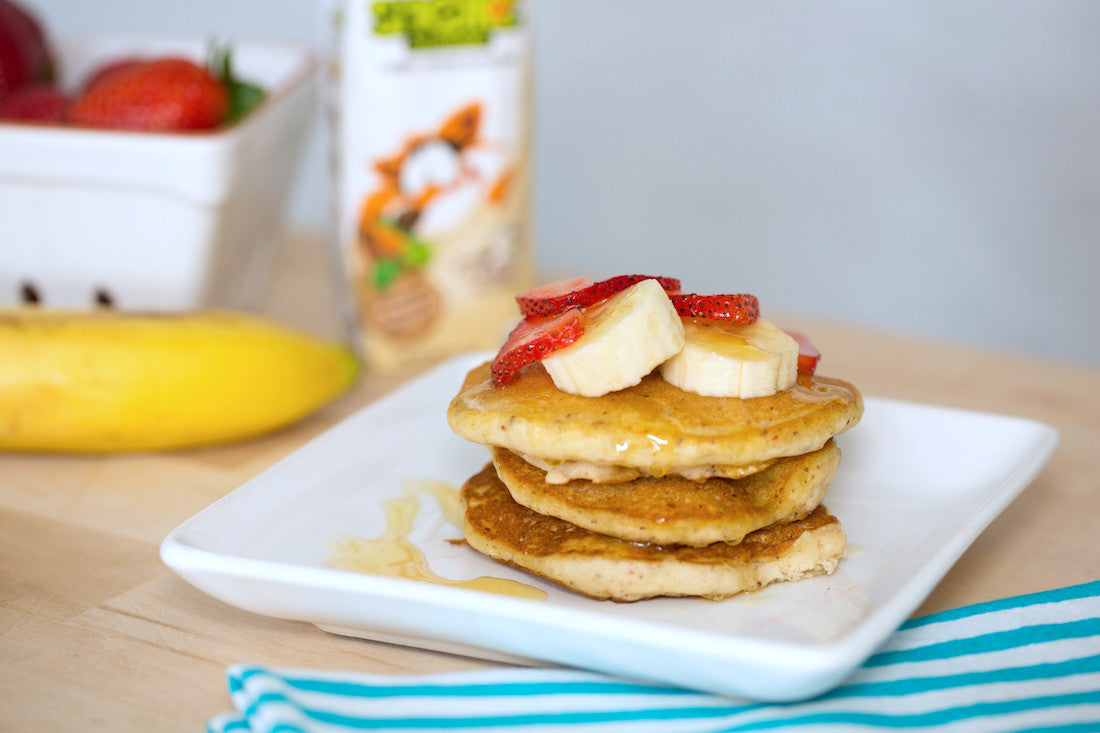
{"points": [[152, 221]]}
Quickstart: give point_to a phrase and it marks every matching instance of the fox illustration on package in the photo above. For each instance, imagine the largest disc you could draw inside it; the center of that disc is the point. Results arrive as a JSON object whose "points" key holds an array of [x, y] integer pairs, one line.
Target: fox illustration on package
{"points": [[432, 132], [433, 190]]}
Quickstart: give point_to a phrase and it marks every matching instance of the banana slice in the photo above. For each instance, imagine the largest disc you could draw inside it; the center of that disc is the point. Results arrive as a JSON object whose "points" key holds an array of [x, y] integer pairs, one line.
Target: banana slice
{"points": [[625, 338], [723, 360]]}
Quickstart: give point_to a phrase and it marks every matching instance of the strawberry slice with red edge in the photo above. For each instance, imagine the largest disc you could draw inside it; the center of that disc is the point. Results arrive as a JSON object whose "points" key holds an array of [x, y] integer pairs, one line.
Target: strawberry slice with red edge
{"points": [[554, 298], [808, 355], [739, 308], [533, 339]]}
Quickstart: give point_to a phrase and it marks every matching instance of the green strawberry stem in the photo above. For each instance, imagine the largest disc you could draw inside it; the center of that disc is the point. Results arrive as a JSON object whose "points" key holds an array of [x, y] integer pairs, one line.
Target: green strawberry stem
{"points": [[244, 96]]}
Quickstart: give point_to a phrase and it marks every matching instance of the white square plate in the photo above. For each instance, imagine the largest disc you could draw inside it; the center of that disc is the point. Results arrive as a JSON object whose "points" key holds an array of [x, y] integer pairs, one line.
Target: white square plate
{"points": [[916, 486]]}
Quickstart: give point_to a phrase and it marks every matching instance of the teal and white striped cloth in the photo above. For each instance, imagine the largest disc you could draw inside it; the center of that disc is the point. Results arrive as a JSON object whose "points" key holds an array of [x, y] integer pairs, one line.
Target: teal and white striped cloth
{"points": [[1029, 663]]}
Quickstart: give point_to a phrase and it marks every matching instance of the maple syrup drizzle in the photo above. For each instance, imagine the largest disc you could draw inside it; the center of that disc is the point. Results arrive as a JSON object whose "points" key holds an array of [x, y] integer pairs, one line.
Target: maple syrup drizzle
{"points": [[392, 554]]}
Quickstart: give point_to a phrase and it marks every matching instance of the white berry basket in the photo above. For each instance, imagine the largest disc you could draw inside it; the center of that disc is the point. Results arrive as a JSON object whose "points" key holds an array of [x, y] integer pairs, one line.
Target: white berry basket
{"points": [[152, 221]]}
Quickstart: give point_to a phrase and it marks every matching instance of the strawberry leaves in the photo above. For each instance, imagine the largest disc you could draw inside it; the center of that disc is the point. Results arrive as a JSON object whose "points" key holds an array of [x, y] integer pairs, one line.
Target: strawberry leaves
{"points": [[243, 96]]}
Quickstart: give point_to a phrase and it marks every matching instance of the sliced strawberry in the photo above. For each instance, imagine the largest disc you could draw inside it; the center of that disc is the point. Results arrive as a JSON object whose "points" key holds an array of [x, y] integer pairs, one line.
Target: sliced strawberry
{"points": [[740, 308], [556, 297], [534, 339], [808, 355], [542, 300]]}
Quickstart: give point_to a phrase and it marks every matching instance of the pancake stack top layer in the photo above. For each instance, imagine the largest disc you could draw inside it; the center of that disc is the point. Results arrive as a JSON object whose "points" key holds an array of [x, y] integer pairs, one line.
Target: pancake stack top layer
{"points": [[651, 426], [652, 490]]}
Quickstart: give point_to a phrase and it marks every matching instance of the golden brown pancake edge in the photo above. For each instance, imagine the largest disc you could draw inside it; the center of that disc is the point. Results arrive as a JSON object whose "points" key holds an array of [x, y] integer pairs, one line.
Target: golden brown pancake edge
{"points": [[652, 425], [605, 568], [673, 509]]}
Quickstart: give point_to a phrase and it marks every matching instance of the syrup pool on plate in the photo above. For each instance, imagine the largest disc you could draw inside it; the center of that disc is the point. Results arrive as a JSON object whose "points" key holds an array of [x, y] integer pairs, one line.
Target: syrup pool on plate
{"points": [[392, 553]]}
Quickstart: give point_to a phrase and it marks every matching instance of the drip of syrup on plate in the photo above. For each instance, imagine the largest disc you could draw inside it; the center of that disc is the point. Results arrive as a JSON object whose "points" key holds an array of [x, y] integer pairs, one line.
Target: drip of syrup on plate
{"points": [[392, 554]]}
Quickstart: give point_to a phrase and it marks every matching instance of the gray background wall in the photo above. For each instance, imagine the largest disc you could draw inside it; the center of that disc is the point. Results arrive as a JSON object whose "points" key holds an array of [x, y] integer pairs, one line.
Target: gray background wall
{"points": [[929, 166]]}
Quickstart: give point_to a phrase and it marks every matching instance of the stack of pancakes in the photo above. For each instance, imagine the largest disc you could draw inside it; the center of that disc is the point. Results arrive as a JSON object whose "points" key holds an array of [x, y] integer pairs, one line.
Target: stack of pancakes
{"points": [[652, 490]]}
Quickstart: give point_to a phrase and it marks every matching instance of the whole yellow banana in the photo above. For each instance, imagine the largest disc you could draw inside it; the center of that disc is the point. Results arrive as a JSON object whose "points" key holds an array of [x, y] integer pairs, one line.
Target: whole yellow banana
{"points": [[105, 381]]}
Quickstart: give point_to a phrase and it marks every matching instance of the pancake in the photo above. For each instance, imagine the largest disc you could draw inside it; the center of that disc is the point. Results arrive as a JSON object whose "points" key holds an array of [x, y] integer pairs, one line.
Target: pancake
{"points": [[560, 472], [605, 568], [652, 426], [673, 509]]}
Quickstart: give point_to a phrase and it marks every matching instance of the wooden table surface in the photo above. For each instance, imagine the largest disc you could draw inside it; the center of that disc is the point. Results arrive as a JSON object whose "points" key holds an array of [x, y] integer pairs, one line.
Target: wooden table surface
{"points": [[97, 634]]}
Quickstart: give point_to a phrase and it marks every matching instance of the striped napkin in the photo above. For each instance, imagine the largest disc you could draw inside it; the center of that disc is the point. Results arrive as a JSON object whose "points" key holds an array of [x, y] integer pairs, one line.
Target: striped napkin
{"points": [[1027, 663]]}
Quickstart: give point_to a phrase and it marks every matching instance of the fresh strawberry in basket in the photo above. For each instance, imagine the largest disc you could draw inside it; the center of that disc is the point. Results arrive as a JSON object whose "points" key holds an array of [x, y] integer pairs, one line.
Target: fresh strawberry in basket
{"points": [[107, 70], [24, 56], [164, 94], [41, 102]]}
